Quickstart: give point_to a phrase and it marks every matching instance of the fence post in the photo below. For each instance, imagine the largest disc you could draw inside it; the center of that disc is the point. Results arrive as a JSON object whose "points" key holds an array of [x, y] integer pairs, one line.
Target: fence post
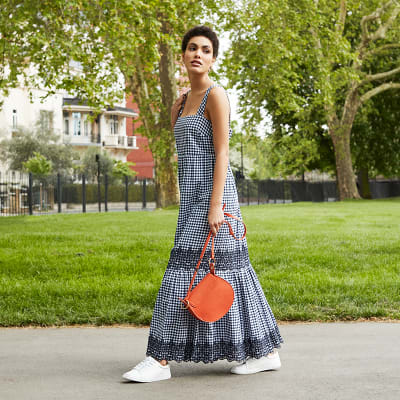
{"points": [[83, 193], [59, 191], [126, 192], [144, 193], [98, 187], [105, 192], [30, 194]]}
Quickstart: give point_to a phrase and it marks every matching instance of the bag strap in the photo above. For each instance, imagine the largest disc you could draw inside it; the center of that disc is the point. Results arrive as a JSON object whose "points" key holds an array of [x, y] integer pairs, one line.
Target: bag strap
{"points": [[211, 261]]}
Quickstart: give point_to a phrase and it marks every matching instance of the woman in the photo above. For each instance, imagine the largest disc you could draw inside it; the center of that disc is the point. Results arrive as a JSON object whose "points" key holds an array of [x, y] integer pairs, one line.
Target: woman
{"points": [[248, 333]]}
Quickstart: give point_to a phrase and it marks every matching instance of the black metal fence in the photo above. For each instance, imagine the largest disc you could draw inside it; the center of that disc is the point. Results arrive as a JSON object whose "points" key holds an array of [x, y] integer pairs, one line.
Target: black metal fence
{"points": [[22, 193], [284, 191], [29, 194], [383, 189]]}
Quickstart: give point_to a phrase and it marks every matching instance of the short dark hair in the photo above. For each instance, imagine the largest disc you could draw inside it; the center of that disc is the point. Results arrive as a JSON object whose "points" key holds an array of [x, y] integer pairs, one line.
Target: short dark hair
{"points": [[201, 30]]}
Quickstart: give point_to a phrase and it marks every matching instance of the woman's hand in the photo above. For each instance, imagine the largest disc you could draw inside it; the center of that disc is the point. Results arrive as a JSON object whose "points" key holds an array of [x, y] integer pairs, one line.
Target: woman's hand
{"points": [[215, 218], [175, 109]]}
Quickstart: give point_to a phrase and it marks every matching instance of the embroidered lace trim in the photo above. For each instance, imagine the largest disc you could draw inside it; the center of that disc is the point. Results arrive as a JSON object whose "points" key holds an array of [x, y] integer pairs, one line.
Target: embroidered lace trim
{"points": [[204, 352], [188, 258]]}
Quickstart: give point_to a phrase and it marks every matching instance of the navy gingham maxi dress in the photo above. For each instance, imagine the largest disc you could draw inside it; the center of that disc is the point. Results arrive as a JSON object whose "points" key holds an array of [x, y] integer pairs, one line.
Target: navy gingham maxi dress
{"points": [[249, 329]]}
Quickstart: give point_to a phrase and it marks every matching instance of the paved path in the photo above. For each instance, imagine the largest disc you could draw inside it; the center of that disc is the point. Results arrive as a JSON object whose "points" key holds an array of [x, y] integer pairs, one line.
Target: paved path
{"points": [[356, 361]]}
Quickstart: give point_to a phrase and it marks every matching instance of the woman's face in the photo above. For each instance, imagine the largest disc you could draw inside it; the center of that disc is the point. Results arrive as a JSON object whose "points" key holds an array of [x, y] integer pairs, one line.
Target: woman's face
{"points": [[198, 56]]}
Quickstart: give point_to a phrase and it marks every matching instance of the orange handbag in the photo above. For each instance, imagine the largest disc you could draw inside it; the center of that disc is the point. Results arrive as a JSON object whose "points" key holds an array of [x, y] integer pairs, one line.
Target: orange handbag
{"points": [[213, 296]]}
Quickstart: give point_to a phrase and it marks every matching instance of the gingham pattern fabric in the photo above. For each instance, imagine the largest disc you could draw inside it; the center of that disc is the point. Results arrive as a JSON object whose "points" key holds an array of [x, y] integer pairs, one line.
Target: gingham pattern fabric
{"points": [[249, 329]]}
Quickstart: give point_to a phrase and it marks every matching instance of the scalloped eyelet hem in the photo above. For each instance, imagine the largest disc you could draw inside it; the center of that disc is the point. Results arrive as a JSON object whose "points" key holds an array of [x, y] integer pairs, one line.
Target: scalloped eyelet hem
{"points": [[206, 353]]}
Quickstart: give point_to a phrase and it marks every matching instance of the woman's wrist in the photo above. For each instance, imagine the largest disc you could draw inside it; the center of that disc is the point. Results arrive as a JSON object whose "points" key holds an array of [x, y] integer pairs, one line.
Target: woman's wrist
{"points": [[214, 203]]}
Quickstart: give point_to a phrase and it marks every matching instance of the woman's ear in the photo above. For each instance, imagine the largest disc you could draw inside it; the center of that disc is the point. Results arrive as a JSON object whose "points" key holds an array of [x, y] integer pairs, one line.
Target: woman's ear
{"points": [[212, 63]]}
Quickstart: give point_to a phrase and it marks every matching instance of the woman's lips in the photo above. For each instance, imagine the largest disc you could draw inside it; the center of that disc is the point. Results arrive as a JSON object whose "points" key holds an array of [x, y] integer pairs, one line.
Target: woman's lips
{"points": [[196, 63]]}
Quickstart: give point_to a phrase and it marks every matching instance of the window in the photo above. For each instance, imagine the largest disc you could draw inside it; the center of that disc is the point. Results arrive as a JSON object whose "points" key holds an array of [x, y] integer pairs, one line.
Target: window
{"points": [[46, 120], [87, 127], [66, 122], [113, 120], [66, 126], [14, 119], [76, 116]]}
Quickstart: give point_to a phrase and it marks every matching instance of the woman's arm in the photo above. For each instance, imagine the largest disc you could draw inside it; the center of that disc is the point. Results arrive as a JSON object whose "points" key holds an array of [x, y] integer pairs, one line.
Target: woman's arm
{"points": [[218, 110]]}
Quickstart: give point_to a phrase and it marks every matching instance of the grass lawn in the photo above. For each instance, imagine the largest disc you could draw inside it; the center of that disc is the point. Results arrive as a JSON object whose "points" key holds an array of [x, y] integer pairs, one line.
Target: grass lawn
{"points": [[315, 261]]}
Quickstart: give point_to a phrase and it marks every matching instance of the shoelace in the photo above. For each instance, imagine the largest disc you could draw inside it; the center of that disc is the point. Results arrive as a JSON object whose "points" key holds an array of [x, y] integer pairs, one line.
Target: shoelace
{"points": [[143, 363]]}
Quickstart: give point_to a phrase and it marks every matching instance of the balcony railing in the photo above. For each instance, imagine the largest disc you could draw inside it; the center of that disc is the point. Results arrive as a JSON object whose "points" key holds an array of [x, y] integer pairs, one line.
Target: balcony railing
{"points": [[120, 141], [80, 140]]}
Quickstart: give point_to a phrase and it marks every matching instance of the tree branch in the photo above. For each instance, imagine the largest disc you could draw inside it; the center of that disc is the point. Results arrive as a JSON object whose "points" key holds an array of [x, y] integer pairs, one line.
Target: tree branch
{"points": [[381, 88], [381, 48], [342, 17], [381, 31], [382, 75]]}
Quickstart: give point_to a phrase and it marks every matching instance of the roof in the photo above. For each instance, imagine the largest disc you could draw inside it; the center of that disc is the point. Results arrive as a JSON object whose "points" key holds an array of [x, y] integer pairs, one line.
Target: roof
{"points": [[77, 104]]}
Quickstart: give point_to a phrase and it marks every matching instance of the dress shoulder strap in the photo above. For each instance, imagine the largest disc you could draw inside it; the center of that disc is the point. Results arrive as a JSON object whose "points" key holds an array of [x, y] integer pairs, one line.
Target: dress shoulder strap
{"points": [[203, 103], [183, 104]]}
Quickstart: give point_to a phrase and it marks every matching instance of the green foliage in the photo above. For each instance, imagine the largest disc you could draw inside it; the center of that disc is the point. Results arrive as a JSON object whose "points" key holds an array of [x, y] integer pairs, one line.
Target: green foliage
{"points": [[38, 164], [122, 169], [103, 39], [292, 60], [89, 166], [140, 40], [25, 142], [376, 136], [72, 193]]}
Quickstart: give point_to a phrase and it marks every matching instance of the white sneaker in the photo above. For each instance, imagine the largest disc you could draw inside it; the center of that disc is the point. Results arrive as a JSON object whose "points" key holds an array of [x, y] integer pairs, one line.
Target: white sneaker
{"points": [[148, 370], [253, 365]]}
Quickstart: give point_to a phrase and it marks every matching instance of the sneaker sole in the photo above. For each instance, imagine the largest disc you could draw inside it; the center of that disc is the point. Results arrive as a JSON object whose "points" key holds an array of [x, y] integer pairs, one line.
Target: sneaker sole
{"points": [[255, 371], [145, 380]]}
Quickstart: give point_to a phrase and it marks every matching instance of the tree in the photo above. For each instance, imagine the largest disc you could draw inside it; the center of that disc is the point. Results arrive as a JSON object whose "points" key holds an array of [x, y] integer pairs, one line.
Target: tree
{"points": [[139, 40], [88, 165], [376, 140], [41, 167], [38, 164], [272, 42], [122, 169], [24, 143]]}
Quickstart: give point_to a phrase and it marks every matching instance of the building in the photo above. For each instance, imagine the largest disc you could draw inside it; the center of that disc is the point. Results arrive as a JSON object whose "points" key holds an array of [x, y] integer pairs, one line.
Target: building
{"points": [[141, 156], [66, 117]]}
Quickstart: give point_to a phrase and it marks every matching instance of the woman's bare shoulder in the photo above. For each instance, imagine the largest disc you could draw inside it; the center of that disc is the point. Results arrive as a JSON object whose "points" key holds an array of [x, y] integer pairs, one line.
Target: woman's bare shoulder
{"points": [[217, 95]]}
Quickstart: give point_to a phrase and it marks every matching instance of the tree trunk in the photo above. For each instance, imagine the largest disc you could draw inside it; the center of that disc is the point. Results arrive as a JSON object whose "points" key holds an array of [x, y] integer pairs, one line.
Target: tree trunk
{"points": [[340, 132], [157, 125], [364, 183], [166, 171], [344, 169], [165, 184]]}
